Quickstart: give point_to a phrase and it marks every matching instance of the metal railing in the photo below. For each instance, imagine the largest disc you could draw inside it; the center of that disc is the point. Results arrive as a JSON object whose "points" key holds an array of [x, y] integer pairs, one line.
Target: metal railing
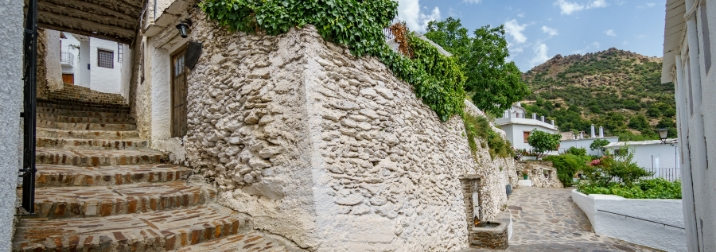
{"points": [[670, 174], [30, 64], [67, 58]]}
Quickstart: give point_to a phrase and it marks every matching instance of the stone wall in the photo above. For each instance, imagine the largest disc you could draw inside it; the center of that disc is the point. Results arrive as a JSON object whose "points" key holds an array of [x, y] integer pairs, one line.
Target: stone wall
{"points": [[328, 150], [541, 173]]}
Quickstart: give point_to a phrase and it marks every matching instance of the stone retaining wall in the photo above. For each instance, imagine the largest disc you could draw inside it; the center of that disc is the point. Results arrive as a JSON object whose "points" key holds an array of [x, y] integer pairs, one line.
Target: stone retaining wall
{"points": [[323, 148], [541, 173]]}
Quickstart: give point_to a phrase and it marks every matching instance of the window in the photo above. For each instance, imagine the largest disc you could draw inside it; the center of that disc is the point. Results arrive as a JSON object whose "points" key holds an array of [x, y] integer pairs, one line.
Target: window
{"points": [[526, 135], [105, 58]]}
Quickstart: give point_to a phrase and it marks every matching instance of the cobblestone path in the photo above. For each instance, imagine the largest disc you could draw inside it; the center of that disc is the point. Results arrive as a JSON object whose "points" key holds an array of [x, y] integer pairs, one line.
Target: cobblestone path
{"points": [[547, 220]]}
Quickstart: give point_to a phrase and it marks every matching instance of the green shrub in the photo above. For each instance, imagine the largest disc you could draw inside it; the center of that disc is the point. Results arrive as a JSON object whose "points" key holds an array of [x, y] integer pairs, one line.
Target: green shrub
{"points": [[567, 165], [658, 188], [577, 151], [479, 127]]}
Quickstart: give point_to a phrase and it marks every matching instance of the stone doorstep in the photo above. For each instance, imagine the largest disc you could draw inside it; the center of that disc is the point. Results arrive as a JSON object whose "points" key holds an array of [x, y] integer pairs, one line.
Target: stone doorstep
{"points": [[91, 144], [79, 119], [86, 126], [94, 103], [154, 231], [65, 175], [87, 134], [85, 107], [81, 202], [253, 240], [86, 158], [81, 113]]}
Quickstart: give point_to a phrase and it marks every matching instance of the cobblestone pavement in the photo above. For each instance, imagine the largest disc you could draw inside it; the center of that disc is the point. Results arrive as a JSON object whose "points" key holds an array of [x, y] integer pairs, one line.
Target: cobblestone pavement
{"points": [[548, 220]]}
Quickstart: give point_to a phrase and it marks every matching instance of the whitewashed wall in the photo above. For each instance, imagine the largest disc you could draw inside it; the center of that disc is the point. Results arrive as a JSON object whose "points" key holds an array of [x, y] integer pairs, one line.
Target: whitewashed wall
{"points": [[646, 224], [515, 133], [102, 79], [67, 46], [584, 143], [11, 96], [650, 154]]}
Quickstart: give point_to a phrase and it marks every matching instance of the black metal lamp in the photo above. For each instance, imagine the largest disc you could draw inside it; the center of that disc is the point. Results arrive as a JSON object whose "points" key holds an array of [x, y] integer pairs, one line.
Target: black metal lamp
{"points": [[663, 133], [183, 27]]}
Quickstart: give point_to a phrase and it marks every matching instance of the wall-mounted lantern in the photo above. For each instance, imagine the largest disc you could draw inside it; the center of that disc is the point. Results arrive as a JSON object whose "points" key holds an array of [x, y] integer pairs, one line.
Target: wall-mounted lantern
{"points": [[183, 27], [663, 133]]}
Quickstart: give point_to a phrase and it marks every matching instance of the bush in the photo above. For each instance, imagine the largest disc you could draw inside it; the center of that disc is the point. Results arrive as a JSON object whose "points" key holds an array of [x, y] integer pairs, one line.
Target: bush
{"points": [[567, 165], [479, 127], [615, 168], [658, 188], [577, 151]]}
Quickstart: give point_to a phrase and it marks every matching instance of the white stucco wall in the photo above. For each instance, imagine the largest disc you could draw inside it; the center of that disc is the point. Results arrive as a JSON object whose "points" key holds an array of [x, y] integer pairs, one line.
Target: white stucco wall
{"points": [[606, 213], [515, 133], [66, 47], [11, 96], [82, 74], [102, 79], [126, 72], [644, 154], [584, 143], [52, 59]]}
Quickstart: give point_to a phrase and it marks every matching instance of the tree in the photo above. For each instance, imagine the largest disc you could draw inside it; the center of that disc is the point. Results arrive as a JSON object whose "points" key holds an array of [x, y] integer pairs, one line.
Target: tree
{"points": [[615, 168], [542, 141], [493, 83], [598, 144]]}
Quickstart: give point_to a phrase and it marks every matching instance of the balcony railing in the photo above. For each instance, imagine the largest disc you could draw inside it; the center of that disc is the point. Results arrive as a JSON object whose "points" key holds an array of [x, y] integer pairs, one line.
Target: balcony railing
{"points": [[67, 58]]}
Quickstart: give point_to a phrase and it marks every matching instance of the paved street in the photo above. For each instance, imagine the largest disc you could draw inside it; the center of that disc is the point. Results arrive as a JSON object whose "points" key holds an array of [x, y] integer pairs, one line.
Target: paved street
{"points": [[548, 220]]}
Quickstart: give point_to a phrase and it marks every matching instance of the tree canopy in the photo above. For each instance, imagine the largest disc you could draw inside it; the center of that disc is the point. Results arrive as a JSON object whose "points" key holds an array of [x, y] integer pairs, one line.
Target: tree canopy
{"points": [[493, 83], [542, 141]]}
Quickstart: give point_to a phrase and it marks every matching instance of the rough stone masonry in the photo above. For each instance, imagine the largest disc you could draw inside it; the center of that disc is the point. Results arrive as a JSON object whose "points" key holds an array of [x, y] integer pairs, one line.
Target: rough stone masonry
{"points": [[329, 150]]}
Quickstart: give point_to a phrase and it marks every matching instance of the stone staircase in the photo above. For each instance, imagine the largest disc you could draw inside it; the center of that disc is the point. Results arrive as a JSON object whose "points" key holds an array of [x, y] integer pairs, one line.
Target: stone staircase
{"points": [[100, 188]]}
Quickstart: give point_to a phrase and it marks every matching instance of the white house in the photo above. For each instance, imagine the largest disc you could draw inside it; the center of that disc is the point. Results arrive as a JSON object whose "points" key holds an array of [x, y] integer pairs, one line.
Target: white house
{"points": [[518, 127], [656, 156], [579, 141], [688, 63], [90, 62]]}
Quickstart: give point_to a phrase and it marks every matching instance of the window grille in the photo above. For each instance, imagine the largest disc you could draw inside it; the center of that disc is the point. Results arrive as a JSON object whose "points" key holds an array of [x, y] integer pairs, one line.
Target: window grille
{"points": [[105, 58], [120, 53]]}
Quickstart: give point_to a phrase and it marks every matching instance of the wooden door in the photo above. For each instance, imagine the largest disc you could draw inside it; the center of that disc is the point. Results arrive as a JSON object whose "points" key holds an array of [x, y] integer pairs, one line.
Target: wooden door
{"points": [[68, 78], [179, 93]]}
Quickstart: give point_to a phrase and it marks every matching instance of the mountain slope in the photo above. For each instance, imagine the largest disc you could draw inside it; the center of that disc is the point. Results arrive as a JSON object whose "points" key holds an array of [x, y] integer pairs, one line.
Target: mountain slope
{"points": [[617, 89]]}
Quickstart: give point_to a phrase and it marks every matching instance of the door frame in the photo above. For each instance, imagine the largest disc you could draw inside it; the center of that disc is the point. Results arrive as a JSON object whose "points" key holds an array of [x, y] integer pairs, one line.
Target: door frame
{"points": [[180, 50]]}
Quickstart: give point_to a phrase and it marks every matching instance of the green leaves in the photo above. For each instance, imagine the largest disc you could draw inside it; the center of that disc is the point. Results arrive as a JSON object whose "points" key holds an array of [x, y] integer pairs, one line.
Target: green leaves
{"points": [[542, 141]]}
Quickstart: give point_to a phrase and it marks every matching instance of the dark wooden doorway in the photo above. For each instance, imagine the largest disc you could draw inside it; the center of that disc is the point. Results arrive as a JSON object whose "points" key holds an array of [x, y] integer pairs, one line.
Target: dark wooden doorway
{"points": [[179, 93], [68, 78]]}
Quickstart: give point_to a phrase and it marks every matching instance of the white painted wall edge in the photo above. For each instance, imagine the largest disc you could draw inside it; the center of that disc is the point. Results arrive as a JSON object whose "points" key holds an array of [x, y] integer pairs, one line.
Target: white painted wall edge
{"points": [[649, 222]]}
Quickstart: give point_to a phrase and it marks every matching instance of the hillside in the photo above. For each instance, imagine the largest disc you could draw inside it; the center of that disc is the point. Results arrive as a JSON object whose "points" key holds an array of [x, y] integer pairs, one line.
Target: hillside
{"points": [[617, 89]]}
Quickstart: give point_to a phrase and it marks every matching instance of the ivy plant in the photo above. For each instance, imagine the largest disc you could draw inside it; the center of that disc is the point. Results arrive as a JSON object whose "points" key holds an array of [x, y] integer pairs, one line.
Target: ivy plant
{"points": [[437, 79]]}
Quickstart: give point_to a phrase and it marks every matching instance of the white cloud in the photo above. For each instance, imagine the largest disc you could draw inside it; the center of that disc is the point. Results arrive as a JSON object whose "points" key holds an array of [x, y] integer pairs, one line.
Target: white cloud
{"points": [[596, 45], [540, 54], [640, 36], [472, 1], [567, 8], [514, 29], [550, 31], [521, 15], [416, 19], [610, 32]]}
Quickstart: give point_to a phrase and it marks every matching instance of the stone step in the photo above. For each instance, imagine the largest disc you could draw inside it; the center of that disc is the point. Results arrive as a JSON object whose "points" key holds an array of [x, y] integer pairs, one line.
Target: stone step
{"points": [[86, 126], [68, 175], [154, 231], [78, 119], [82, 113], [81, 202], [91, 144], [252, 241], [69, 104], [86, 134], [86, 158]]}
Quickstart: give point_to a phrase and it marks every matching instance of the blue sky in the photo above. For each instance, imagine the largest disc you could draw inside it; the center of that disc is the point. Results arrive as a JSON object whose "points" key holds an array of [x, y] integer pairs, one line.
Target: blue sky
{"points": [[537, 30]]}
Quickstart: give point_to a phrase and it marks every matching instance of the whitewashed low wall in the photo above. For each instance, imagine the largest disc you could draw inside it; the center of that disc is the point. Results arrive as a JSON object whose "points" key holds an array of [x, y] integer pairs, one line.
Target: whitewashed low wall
{"points": [[650, 222]]}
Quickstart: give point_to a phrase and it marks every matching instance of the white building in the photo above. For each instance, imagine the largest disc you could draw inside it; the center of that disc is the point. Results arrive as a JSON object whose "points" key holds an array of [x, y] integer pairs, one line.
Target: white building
{"points": [[688, 63], [579, 141], [518, 128], [660, 158], [89, 62]]}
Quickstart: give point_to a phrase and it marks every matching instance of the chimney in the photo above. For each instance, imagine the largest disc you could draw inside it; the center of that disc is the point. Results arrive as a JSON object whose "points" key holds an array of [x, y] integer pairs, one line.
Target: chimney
{"points": [[593, 135], [509, 114], [601, 132], [542, 118], [581, 135], [552, 122], [534, 116]]}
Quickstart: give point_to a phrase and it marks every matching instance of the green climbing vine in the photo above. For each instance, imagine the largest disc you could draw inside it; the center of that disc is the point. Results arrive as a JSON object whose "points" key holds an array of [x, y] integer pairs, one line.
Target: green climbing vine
{"points": [[437, 79]]}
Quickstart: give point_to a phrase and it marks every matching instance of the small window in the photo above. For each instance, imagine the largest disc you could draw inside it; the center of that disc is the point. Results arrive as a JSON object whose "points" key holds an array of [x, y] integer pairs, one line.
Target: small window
{"points": [[526, 135], [105, 58]]}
